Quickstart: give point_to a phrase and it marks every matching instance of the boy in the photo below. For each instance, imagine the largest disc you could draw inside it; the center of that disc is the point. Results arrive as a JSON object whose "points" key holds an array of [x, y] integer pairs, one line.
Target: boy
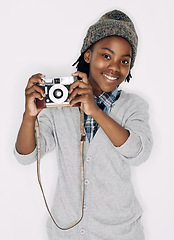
{"points": [[118, 136]]}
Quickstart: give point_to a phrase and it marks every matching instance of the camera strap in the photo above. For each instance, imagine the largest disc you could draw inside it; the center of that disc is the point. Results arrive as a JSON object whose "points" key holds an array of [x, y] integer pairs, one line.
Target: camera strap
{"points": [[83, 135]]}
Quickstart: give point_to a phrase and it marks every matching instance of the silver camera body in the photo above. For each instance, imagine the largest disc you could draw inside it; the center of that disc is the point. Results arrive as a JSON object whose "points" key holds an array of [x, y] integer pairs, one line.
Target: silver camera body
{"points": [[56, 90]]}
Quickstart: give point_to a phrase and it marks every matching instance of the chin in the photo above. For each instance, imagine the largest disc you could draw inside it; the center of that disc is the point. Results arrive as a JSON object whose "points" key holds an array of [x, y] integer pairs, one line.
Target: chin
{"points": [[109, 89]]}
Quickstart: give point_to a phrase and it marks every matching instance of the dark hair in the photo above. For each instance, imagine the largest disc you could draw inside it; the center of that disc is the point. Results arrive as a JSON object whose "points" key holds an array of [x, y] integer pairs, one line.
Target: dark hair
{"points": [[83, 66]]}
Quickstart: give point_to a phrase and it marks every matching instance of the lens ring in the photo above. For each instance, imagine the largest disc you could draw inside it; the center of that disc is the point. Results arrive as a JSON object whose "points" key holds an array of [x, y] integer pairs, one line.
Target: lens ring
{"points": [[59, 87]]}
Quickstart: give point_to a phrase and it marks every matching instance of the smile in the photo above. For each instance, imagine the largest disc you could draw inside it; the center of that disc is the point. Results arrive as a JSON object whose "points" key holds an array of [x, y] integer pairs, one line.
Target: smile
{"points": [[110, 78]]}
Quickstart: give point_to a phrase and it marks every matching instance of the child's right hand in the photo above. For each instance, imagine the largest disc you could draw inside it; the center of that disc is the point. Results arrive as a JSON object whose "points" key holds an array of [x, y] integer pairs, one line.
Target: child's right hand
{"points": [[33, 92]]}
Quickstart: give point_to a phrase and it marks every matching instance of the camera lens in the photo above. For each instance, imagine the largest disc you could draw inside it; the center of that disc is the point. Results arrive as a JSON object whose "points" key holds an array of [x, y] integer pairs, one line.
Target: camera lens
{"points": [[58, 93]]}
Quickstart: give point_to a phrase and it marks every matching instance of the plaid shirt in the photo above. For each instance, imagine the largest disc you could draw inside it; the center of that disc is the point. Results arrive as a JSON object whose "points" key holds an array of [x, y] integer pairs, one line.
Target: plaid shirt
{"points": [[105, 102]]}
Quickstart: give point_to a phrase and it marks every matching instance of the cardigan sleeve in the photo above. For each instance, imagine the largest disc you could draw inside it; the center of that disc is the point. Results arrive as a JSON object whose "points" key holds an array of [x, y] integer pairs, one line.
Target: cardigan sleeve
{"points": [[47, 139], [138, 146]]}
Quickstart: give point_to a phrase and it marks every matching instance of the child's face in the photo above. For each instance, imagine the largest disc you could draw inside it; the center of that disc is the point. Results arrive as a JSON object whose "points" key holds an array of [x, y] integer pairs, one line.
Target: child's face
{"points": [[109, 61]]}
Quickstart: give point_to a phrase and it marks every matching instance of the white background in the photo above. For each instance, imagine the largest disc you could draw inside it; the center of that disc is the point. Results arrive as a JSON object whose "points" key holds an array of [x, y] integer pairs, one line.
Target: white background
{"points": [[46, 36]]}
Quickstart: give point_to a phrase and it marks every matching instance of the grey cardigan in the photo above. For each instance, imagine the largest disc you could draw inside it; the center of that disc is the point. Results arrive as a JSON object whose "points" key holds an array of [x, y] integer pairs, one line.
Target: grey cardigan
{"points": [[112, 211]]}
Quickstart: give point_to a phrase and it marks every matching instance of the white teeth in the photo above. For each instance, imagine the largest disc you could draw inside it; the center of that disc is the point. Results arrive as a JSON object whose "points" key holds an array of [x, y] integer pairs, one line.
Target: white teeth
{"points": [[110, 78]]}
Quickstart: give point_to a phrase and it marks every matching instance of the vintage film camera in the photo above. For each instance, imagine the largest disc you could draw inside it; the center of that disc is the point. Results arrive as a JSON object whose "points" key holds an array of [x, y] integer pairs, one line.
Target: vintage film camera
{"points": [[56, 90]]}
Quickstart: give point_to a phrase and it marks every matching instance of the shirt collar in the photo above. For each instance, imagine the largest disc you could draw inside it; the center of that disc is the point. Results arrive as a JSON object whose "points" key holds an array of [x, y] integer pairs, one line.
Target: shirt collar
{"points": [[108, 98]]}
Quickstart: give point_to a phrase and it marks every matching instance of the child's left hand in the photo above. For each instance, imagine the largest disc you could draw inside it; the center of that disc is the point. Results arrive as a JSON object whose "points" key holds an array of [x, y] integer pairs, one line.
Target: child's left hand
{"points": [[81, 94]]}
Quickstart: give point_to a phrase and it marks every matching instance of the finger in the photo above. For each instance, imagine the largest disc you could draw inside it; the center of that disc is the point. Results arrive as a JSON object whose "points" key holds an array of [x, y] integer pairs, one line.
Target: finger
{"points": [[82, 75], [37, 78], [76, 105], [77, 84], [79, 91], [33, 96], [35, 88], [78, 101]]}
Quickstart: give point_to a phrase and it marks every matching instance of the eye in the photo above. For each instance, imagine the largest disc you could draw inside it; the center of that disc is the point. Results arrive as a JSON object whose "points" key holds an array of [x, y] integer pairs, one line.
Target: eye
{"points": [[106, 56], [125, 62]]}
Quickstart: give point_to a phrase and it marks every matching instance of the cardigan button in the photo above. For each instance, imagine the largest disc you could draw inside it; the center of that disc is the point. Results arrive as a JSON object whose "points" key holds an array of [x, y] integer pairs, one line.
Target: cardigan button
{"points": [[86, 181], [82, 231], [88, 159], [84, 207]]}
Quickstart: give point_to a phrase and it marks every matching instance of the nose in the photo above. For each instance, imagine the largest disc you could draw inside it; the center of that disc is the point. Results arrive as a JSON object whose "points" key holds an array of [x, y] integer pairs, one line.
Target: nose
{"points": [[114, 66]]}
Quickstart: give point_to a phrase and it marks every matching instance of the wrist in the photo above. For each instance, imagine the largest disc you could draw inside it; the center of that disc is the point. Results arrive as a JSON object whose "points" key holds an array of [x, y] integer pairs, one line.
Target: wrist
{"points": [[28, 118], [96, 113]]}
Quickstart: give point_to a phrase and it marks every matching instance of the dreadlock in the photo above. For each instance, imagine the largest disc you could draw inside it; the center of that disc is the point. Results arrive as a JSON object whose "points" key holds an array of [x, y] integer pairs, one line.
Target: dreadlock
{"points": [[82, 66]]}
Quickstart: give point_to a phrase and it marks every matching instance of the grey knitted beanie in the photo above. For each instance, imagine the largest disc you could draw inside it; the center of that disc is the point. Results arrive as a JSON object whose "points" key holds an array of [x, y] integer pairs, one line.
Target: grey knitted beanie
{"points": [[113, 23]]}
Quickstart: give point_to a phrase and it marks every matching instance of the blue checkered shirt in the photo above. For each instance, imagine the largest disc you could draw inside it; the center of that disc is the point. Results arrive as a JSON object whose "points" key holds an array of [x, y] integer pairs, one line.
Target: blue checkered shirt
{"points": [[105, 102]]}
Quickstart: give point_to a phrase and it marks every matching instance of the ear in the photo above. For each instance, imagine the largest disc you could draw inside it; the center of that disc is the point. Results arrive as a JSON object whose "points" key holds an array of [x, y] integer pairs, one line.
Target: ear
{"points": [[87, 56]]}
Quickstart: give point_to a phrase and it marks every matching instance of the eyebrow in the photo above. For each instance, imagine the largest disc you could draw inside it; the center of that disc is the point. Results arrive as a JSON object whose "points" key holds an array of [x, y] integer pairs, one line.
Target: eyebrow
{"points": [[126, 55]]}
